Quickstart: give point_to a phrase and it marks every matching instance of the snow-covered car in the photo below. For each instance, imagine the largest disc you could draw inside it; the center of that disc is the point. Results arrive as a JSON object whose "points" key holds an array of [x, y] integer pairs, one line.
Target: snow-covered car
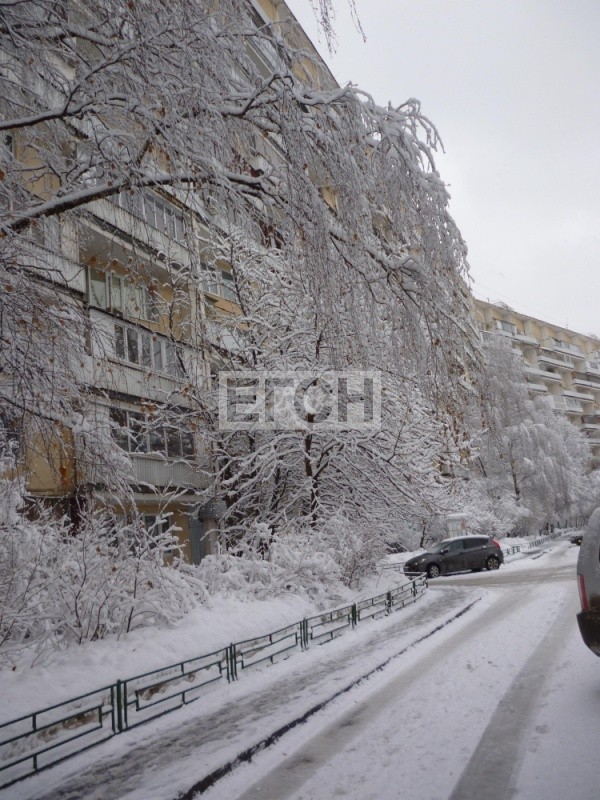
{"points": [[457, 555], [588, 579]]}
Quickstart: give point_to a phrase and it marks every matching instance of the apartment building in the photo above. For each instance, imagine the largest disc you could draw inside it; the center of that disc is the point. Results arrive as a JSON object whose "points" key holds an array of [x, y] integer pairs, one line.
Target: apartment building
{"points": [[153, 301], [559, 364]]}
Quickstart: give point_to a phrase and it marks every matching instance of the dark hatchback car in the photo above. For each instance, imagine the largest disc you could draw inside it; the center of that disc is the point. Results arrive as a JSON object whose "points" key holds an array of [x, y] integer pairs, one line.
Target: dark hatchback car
{"points": [[456, 555]]}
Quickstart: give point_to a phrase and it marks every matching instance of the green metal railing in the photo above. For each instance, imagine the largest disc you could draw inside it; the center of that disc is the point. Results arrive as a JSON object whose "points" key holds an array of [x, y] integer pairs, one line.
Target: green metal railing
{"points": [[44, 738], [36, 741]]}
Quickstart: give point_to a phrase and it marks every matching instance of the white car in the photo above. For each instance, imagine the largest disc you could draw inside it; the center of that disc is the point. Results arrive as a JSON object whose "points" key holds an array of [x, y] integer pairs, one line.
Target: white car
{"points": [[588, 579]]}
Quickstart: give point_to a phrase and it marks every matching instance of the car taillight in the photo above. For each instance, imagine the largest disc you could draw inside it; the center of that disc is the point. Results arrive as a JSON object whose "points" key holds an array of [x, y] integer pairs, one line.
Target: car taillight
{"points": [[582, 594], [496, 543]]}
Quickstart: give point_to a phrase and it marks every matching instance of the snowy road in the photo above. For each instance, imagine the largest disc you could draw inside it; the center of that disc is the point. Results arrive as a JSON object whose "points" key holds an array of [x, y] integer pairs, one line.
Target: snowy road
{"points": [[495, 704], [506, 705]]}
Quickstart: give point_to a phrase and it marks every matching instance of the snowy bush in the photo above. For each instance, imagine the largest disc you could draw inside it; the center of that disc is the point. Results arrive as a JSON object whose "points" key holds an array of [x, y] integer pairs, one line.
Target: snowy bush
{"points": [[355, 548], [60, 587], [291, 564], [301, 559], [29, 557]]}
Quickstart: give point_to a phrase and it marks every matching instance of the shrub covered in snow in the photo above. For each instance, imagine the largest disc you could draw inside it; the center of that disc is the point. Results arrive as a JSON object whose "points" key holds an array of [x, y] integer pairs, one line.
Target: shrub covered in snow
{"points": [[314, 561], [60, 586]]}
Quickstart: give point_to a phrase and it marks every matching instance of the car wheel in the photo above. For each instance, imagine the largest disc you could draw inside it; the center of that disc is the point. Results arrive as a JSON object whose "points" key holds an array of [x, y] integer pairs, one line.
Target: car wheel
{"points": [[433, 571], [492, 563]]}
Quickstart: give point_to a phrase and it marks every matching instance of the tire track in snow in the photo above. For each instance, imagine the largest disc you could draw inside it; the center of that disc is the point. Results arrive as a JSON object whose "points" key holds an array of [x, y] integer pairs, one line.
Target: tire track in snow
{"points": [[203, 785], [293, 771], [493, 768]]}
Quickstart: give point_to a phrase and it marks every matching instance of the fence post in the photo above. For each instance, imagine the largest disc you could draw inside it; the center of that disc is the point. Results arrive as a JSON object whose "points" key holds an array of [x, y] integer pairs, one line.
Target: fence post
{"points": [[388, 602], [304, 634], [354, 615], [232, 661], [119, 694]]}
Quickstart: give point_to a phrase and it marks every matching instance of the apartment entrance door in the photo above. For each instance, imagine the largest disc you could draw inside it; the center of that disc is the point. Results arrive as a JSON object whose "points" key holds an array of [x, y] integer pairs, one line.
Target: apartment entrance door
{"points": [[198, 540]]}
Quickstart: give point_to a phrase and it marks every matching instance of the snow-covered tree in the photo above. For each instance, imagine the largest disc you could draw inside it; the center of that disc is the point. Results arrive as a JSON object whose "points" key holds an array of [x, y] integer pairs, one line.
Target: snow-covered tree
{"points": [[322, 211], [531, 464]]}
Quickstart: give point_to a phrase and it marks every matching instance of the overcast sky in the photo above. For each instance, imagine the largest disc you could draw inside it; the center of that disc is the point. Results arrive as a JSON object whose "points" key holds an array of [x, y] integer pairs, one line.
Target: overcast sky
{"points": [[513, 87]]}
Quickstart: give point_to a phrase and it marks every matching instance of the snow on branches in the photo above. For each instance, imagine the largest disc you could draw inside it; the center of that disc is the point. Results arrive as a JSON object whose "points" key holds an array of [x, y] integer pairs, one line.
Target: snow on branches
{"points": [[244, 173]]}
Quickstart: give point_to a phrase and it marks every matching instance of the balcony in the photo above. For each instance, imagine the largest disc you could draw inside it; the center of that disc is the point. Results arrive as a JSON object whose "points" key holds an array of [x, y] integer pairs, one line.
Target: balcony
{"points": [[591, 421], [543, 373], [114, 373], [555, 359], [586, 397], [164, 473], [568, 405], [489, 336], [55, 267], [587, 379], [109, 212], [568, 348], [592, 365], [136, 381], [525, 338], [537, 387]]}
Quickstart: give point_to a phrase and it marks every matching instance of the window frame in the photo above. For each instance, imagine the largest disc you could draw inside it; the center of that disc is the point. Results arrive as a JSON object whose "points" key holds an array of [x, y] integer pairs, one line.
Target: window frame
{"points": [[219, 282], [152, 351], [144, 441], [121, 295]]}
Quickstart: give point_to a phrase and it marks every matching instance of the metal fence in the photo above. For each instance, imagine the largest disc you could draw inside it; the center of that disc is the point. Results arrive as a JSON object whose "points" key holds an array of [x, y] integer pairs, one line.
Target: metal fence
{"points": [[509, 551], [44, 738]]}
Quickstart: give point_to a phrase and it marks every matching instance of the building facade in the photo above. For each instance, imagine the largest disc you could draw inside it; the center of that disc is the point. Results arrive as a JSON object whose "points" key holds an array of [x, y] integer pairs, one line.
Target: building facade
{"points": [[150, 298], [559, 364]]}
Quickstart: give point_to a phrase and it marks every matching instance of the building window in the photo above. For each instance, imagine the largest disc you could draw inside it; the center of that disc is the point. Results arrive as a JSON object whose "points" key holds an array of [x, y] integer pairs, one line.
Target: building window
{"points": [[158, 213], [115, 293], [147, 349], [506, 326], [10, 434], [136, 433], [157, 526], [219, 281]]}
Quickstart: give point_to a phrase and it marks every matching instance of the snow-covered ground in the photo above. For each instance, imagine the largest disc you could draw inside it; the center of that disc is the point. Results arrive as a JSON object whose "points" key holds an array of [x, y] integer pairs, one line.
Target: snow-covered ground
{"points": [[207, 628], [413, 725]]}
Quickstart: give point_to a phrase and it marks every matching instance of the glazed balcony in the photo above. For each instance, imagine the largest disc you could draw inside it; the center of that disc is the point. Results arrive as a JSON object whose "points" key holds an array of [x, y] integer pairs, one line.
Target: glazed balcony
{"points": [[555, 359], [568, 405], [165, 473], [133, 360], [55, 267], [567, 348]]}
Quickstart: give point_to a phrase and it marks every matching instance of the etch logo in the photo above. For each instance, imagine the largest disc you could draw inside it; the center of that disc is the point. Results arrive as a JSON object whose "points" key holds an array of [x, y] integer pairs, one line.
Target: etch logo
{"points": [[347, 400]]}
